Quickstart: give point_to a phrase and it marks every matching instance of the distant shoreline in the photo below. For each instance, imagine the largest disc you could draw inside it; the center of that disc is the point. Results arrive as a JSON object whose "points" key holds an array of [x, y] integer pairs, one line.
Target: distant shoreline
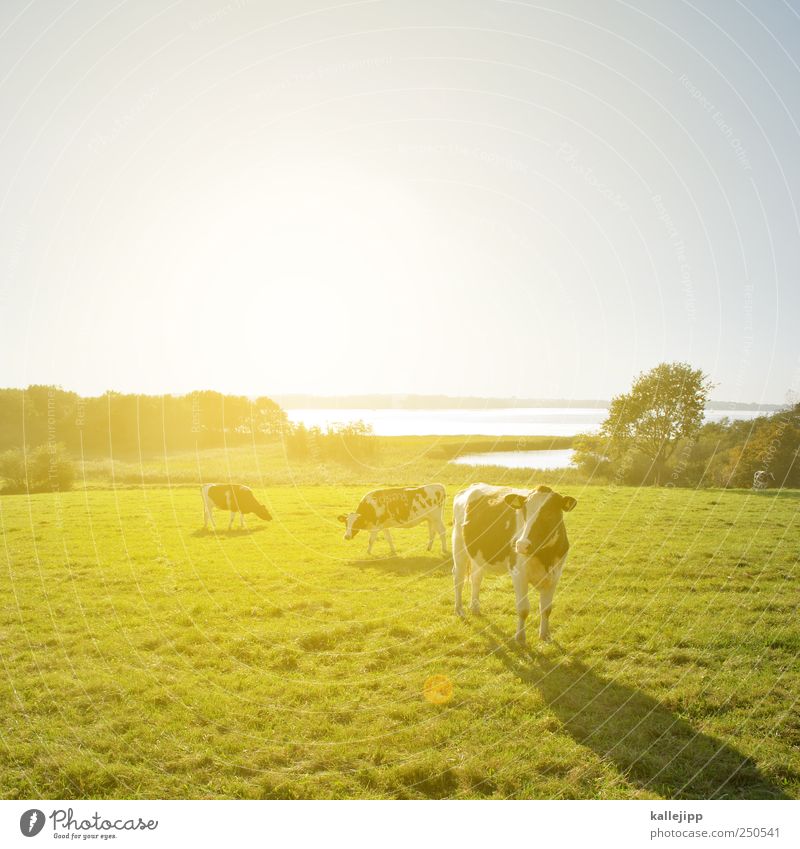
{"points": [[447, 402]]}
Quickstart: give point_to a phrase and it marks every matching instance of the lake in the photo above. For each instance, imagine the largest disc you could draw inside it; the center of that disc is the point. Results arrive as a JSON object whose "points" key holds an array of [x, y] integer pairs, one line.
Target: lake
{"points": [[513, 421], [558, 459]]}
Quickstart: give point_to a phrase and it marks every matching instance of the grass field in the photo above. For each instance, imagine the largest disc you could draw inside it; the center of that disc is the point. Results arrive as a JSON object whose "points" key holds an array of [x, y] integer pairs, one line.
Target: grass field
{"points": [[143, 657], [399, 460]]}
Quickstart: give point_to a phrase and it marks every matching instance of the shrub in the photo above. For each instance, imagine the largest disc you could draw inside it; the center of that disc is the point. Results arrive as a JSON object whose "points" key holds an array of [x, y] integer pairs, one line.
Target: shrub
{"points": [[296, 441], [589, 456], [48, 468], [350, 443], [51, 469], [12, 471]]}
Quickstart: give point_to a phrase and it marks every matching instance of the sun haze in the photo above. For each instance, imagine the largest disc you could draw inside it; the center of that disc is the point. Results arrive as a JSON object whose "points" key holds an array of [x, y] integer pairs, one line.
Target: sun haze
{"points": [[461, 198]]}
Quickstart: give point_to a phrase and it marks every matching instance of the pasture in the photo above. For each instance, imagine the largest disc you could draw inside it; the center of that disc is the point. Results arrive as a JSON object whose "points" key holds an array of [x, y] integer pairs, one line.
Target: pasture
{"points": [[143, 657]]}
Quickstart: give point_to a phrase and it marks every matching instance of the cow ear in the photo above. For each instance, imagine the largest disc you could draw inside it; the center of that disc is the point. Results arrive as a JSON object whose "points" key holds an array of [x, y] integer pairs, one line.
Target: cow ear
{"points": [[342, 518], [515, 501], [568, 503]]}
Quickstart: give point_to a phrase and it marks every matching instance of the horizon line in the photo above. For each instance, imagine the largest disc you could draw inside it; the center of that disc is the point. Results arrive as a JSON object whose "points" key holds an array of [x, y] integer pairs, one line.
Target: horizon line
{"points": [[396, 397]]}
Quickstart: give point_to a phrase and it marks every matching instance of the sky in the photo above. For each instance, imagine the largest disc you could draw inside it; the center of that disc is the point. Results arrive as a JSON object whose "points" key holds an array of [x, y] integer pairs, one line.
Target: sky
{"points": [[465, 198]]}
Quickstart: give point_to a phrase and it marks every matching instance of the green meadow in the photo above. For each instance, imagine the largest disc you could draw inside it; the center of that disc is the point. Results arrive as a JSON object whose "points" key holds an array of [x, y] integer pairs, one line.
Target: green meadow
{"points": [[145, 657], [399, 461]]}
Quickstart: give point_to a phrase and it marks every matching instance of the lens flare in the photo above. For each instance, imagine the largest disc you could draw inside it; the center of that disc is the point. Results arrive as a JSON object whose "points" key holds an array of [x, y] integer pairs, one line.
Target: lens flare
{"points": [[438, 689]]}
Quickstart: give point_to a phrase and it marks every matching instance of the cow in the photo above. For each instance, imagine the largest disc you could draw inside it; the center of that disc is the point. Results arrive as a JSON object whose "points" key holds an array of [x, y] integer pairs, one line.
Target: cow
{"points": [[234, 497], [762, 478], [499, 529], [402, 507]]}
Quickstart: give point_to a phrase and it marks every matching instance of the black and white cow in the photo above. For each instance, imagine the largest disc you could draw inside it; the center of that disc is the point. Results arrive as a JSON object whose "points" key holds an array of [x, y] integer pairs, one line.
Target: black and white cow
{"points": [[762, 479], [498, 529], [234, 497], [403, 507]]}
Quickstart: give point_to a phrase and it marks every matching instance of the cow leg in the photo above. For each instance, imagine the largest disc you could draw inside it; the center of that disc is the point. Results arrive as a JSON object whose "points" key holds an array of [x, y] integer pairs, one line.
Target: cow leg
{"points": [[389, 540], [208, 514], [461, 569], [373, 535], [233, 516], [476, 576], [547, 591], [241, 521], [545, 606], [519, 578], [431, 534], [442, 531]]}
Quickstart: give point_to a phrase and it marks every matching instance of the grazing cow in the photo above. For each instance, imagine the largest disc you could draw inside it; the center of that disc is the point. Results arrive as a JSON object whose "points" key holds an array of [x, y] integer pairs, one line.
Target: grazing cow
{"points": [[499, 529], [404, 507], [762, 478], [234, 497]]}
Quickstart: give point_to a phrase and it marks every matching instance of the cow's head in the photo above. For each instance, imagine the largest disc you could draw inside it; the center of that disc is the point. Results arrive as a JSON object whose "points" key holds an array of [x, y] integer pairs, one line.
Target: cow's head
{"points": [[261, 511], [353, 523], [542, 515]]}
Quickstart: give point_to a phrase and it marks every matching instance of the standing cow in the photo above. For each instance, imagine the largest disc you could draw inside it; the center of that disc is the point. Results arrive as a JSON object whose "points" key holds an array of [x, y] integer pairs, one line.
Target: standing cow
{"points": [[403, 507], [762, 479], [520, 531], [234, 497]]}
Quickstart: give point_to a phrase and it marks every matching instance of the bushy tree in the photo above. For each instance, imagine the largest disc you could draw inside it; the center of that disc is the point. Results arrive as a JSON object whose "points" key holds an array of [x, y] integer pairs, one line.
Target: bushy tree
{"points": [[48, 468], [588, 454], [12, 471], [664, 407]]}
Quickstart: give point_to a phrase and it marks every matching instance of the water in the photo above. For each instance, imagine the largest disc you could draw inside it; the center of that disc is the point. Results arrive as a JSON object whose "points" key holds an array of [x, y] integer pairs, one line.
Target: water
{"points": [[558, 459], [515, 421]]}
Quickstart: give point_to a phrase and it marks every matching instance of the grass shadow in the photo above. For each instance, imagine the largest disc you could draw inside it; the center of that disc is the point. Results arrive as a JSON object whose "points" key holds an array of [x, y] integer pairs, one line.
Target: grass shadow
{"points": [[429, 564], [651, 746]]}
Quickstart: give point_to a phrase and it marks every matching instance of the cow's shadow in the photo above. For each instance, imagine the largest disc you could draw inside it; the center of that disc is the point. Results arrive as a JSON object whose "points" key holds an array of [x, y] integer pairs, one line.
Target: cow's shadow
{"points": [[224, 533], [651, 746], [426, 564], [781, 494]]}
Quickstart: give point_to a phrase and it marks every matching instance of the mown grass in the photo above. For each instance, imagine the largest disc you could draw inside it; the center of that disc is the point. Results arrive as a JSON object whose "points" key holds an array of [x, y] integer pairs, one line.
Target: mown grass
{"points": [[145, 657]]}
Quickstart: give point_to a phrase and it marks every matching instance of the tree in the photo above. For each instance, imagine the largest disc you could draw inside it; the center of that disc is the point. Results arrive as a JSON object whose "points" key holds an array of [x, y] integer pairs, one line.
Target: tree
{"points": [[664, 407]]}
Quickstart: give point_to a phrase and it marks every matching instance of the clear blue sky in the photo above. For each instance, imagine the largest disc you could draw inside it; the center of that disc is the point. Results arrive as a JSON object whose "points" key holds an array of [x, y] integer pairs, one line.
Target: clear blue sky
{"points": [[483, 198]]}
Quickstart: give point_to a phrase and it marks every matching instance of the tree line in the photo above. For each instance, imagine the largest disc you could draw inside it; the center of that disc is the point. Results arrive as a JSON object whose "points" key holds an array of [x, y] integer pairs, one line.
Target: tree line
{"points": [[43, 429], [128, 424], [653, 435]]}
